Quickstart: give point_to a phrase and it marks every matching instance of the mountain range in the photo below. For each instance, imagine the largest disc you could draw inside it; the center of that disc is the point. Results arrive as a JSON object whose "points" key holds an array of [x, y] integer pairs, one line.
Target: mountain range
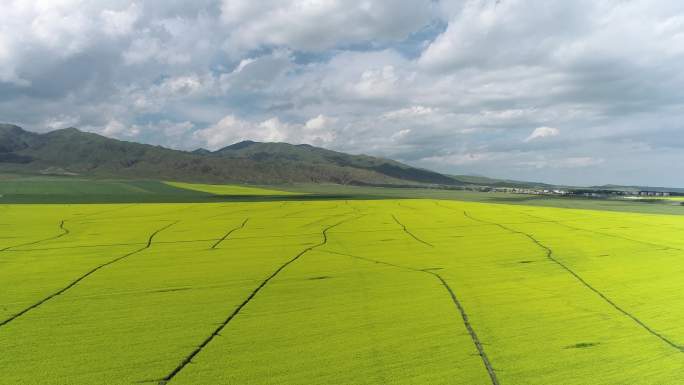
{"points": [[73, 152]]}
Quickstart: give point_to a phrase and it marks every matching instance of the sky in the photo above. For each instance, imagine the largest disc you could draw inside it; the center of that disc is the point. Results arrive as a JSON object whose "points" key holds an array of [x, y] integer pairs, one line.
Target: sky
{"points": [[581, 92]]}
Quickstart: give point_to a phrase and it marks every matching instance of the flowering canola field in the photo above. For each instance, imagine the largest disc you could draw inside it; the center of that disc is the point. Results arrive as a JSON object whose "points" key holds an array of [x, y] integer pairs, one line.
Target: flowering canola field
{"points": [[339, 292]]}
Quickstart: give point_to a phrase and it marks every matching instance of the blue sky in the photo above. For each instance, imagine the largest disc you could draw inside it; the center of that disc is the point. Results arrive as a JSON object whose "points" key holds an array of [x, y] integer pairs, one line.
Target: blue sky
{"points": [[578, 92]]}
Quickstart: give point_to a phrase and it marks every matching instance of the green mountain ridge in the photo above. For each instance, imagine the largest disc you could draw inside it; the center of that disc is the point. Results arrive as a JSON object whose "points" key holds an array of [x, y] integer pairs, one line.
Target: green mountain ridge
{"points": [[74, 152]]}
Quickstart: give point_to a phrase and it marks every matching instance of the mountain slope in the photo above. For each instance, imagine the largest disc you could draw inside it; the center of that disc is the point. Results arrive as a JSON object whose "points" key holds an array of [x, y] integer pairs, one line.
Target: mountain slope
{"points": [[284, 152], [70, 151]]}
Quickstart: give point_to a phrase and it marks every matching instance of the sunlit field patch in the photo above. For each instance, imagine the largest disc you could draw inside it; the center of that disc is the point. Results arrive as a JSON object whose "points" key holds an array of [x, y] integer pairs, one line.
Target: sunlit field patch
{"points": [[220, 189], [339, 292]]}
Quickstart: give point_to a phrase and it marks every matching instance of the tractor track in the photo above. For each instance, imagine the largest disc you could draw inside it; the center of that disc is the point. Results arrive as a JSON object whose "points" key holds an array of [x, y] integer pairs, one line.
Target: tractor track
{"points": [[457, 303], [84, 276], [410, 233], [223, 238], [118, 244], [188, 359], [550, 256], [62, 228], [170, 242], [661, 246]]}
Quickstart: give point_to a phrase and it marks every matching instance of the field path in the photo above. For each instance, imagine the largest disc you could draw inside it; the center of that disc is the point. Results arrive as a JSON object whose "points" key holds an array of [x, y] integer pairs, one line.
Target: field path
{"points": [[63, 231], [223, 238], [551, 257], [410, 233], [658, 245], [244, 303], [84, 276], [464, 316]]}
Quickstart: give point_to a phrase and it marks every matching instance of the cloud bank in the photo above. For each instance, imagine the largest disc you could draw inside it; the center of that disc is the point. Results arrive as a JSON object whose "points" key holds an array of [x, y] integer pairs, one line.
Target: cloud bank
{"points": [[580, 92]]}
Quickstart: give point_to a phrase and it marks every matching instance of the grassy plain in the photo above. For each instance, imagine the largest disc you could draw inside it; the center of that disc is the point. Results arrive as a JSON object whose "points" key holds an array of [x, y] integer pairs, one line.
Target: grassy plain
{"points": [[72, 190], [339, 292]]}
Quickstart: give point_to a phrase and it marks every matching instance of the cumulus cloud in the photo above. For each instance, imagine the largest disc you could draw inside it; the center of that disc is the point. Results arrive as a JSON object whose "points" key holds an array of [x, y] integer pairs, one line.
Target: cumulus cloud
{"points": [[231, 129], [116, 128], [120, 22], [451, 85], [542, 132], [318, 25], [409, 112], [61, 121]]}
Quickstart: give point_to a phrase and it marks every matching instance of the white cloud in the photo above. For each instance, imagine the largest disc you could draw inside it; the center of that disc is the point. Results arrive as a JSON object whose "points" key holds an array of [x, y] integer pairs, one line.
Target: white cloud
{"points": [[318, 123], [505, 33], [409, 112], [61, 121], [401, 134], [150, 48], [381, 77], [120, 23], [319, 131], [230, 130], [542, 132], [187, 85], [117, 129], [379, 82], [320, 24], [257, 74]]}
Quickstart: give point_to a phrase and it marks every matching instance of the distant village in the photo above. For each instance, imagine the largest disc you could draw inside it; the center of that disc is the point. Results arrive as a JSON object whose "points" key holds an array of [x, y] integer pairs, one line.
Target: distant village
{"points": [[588, 193]]}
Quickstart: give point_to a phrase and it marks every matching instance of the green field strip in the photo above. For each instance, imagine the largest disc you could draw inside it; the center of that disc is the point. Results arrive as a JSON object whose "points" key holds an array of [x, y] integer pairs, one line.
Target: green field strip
{"points": [[231, 231], [551, 257], [169, 377], [84, 276], [464, 316], [63, 231], [410, 233]]}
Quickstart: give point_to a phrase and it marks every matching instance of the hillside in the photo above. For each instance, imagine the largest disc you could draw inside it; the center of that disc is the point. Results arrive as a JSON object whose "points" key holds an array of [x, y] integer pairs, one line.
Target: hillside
{"points": [[73, 152]]}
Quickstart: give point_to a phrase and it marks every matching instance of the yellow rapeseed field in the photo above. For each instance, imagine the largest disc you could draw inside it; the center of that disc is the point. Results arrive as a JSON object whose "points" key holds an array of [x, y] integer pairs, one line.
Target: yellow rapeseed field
{"points": [[339, 292]]}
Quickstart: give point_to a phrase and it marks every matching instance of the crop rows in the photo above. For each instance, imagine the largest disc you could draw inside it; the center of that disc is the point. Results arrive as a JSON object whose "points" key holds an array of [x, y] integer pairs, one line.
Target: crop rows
{"points": [[339, 292]]}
